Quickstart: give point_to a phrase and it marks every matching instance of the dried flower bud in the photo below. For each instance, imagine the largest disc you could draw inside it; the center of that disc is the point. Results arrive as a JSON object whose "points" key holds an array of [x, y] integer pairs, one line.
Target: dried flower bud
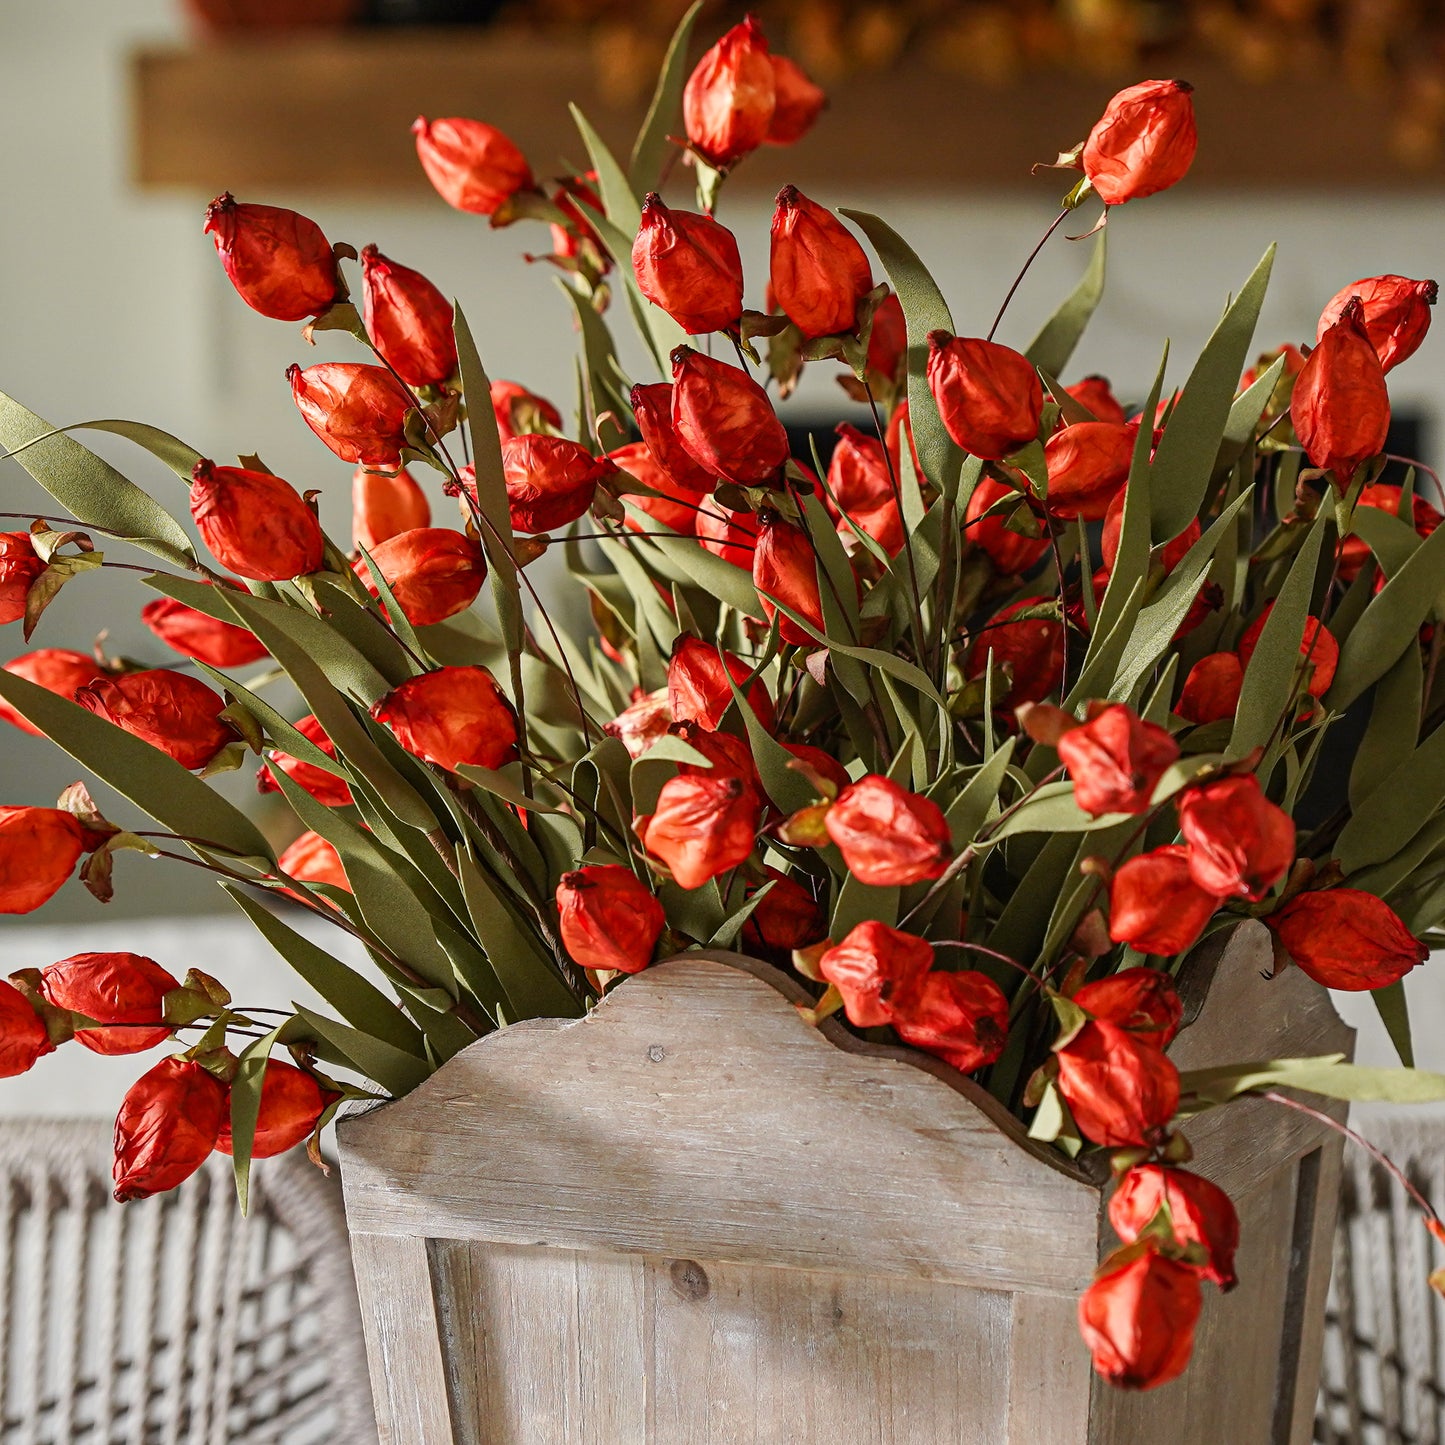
{"points": [[279, 262], [990, 397], [382, 506], [311, 859], [292, 1103], [733, 536], [473, 166], [1143, 143], [878, 970], [20, 565], [818, 271], [888, 836], [1096, 395], [961, 1017], [1240, 844], [1138, 1318], [888, 343], [675, 508], [862, 489], [454, 717], [797, 103], [1031, 648], [697, 684], [785, 570], [1317, 646], [1396, 313], [1116, 760], [1169, 556], [639, 725], [652, 407], [725, 420], [255, 525], [703, 825], [1010, 552], [1088, 464], [1142, 1000], [408, 319], [57, 670], [171, 711], [112, 988], [551, 481], [1156, 906], [786, 918], [39, 848], [689, 266], [824, 765], [193, 633], [328, 789], [1348, 939], [1199, 1213], [1384, 497], [519, 411], [609, 918], [1119, 1089], [168, 1124], [1211, 691], [727, 755], [24, 1037], [730, 97], [1341, 406], [433, 572], [359, 411]]}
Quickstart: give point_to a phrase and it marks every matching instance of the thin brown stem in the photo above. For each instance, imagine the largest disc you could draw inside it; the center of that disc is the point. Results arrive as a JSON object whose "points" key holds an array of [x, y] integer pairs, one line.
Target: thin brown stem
{"points": [[1018, 280]]}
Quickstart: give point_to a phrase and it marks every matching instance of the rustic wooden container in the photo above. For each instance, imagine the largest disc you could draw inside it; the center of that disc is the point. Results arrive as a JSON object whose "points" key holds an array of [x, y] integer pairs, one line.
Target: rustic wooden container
{"points": [[691, 1217]]}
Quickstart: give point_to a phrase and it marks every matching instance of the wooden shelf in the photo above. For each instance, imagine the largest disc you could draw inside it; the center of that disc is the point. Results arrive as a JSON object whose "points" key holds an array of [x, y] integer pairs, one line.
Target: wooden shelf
{"points": [[332, 112]]}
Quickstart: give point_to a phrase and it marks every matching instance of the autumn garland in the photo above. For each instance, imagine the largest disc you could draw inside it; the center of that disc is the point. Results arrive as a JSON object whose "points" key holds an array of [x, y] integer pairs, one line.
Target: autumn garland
{"points": [[816, 721]]}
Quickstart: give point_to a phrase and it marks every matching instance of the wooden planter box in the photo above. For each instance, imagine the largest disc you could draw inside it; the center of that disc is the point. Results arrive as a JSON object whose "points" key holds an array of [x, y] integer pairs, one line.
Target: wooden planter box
{"points": [[691, 1217]]}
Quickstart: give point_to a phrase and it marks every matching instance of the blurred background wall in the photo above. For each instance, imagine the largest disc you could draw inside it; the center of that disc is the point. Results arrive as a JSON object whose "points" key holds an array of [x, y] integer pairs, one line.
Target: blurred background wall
{"points": [[112, 304]]}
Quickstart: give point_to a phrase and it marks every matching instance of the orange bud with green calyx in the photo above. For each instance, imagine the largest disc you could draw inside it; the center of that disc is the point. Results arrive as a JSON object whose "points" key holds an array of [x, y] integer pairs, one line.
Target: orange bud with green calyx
{"points": [[292, 1103], [167, 1126], [433, 572], [961, 1018], [20, 566], [24, 1036], [1143, 143], [1120, 1090], [878, 970], [328, 789], [1199, 1213], [698, 686], [1211, 691], [689, 266], [382, 506], [255, 525], [1142, 1000], [703, 825], [1396, 313], [818, 271], [57, 670], [408, 319], [39, 848], [729, 99], [550, 481], [279, 261], [1155, 904], [797, 103], [1116, 760], [725, 420], [785, 570], [125, 990], [1240, 844], [206, 638], [1138, 1318], [172, 711]]}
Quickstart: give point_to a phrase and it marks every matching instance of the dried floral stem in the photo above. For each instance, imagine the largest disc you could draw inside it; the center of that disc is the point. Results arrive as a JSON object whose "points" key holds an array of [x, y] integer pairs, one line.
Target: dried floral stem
{"points": [[1018, 280]]}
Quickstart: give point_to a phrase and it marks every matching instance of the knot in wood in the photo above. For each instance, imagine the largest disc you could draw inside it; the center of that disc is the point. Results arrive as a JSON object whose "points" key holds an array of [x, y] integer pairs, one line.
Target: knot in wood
{"points": [[690, 1280], [656, 1053]]}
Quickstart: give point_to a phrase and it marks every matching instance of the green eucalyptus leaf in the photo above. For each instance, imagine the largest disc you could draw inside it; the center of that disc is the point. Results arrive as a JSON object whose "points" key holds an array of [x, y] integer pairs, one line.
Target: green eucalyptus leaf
{"points": [[1397, 808], [1394, 1013], [1392, 541], [1329, 1075], [246, 1108], [180, 457], [652, 146], [392, 1069], [1393, 728]]}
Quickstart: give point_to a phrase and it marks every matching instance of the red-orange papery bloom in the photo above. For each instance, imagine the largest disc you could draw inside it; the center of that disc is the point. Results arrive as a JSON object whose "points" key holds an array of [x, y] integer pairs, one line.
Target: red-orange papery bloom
{"points": [[1120, 1089], [888, 340], [573, 195], [1156, 906], [961, 1017], [255, 525], [1138, 1318], [1211, 691], [818, 271], [785, 570], [609, 918], [168, 1123], [24, 1037], [989, 396], [1341, 406], [652, 407], [888, 836], [433, 572], [359, 411], [112, 988], [727, 754], [39, 848], [725, 420], [730, 97], [703, 825], [1143, 143], [697, 684], [326, 788], [1397, 314], [643, 722], [20, 565], [551, 481], [1095, 394], [878, 970], [1348, 939], [676, 508], [1032, 648], [279, 262], [1240, 844], [1200, 1212], [292, 1102], [311, 859], [473, 166], [1317, 645], [862, 489], [900, 426], [1142, 1000], [1354, 551], [57, 670], [824, 764], [1115, 760], [1010, 552], [1088, 464], [382, 506], [733, 536], [797, 103], [172, 711], [453, 717], [1169, 556], [408, 319], [689, 266], [519, 410], [785, 918], [193, 633]]}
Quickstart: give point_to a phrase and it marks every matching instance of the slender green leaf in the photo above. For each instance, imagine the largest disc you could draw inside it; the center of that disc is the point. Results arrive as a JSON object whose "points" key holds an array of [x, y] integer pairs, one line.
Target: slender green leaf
{"points": [[1397, 809], [246, 1108], [651, 148], [179, 456], [1394, 1013], [1328, 1075], [1393, 728], [390, 1068]]}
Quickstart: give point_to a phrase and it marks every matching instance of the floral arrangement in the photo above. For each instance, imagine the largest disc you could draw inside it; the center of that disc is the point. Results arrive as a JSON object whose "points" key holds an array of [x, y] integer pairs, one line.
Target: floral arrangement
{"points": [[979, 729]]}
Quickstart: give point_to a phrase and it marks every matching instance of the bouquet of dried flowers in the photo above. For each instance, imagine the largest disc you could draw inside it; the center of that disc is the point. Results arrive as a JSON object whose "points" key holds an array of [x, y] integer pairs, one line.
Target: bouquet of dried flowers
{"points": [[979, 728]]}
